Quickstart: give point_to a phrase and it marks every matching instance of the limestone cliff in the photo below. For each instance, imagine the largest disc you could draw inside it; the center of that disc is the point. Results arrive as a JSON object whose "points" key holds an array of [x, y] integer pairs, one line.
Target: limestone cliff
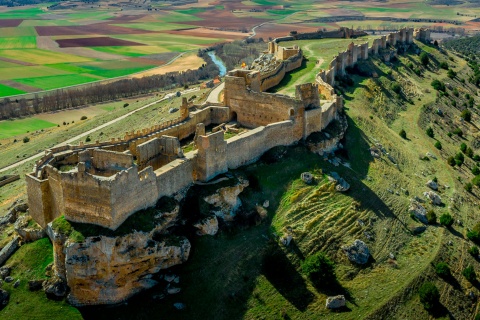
{"points": [[227, 200], [107, 270]]}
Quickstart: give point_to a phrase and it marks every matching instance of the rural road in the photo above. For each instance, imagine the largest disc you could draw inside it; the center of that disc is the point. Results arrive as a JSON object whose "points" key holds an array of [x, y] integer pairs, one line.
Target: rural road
{"points": [[86, 133], [213, 96]]}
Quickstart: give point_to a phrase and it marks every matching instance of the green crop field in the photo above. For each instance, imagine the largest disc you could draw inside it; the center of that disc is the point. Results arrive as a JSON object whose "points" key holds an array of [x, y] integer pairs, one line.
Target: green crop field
{"points": [[22, 126], [52, 82], [9, 91], [29, 42]]}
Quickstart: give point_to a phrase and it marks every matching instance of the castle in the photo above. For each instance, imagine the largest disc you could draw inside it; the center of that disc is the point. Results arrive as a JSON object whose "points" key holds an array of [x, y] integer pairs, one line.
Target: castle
{"points": [[105, 182]]}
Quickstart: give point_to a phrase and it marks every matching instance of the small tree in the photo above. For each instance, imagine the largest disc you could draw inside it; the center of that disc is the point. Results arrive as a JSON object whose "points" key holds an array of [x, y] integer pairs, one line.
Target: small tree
{"points": [[473, 251], [424, 59], [320, 269], [446, 220], [88, 139], [469, 152], [395, 87], [444, 65], [429, 132], [438, 85], [468, 187], [442, 270], [451, 74], [431, 217], [466, 115], [459, 159], [451, 161], [26, 139], [469, 273], [438, 145], [429, 295], [83, 118], [463, 147], [475, 170], [403, 134], [125, 105], [458, 132]]}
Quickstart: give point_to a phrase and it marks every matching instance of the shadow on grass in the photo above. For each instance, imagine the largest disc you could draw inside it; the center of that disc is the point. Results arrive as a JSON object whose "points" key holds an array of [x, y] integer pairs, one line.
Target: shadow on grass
{"points": [[440, 311]]}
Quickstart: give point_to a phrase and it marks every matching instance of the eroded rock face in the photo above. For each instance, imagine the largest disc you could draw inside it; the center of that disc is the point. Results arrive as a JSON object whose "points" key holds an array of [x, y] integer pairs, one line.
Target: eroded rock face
{"points": [[227, 200], [357, 252], [107, 270], [433, 197], [207, 226], [26, 232], [418, 211], [335, 302]]}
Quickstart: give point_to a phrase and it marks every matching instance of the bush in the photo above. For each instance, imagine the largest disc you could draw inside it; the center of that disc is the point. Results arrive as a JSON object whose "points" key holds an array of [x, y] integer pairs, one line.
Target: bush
{"points": [[424, 59], [395, 87], [125, 105], [429, 295], [476, 157], [455, 92], [463, 147], [88, 139], [446, 220], [459, 159], [442, 270], [438, 85], [475, 170], [476, 181], [83, 118], [466, 115], [438, 145], [473, 236], [469, 273], [429, 132], [431, 217], [451, 161], [458, 132], [403, 134], [444, 65], [320, 269], [473, 251], [26, 139], [451, 74], [469, 187], [469, 152]]}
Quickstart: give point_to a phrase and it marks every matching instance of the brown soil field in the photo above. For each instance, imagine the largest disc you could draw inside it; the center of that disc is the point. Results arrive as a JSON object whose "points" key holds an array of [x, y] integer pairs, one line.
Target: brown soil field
{"points": [[5, 23], [281, 30], [153, 62], [95, 42], [189, 61], [209, 33], [23, 63], [127, 18], [224, 20], [103, 28], [71, 115], [20, 86]]}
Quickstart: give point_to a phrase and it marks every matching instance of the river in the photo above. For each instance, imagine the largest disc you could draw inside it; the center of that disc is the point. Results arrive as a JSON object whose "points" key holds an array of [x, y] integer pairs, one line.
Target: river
{"points": [[221, 66]]}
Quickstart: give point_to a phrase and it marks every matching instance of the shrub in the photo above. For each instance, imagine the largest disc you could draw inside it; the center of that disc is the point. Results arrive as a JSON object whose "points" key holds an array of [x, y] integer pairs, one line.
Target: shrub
{"points": [[438, 145], [473, 236], [469, 152], [451, 74], [431, 217], [459, 159], [403, 134], [444, 65], [451, 161], [449, 134], [466, 115], [395, 87], [438, 85], [88, 139], [476, 157], [473, 251], [424, 59], [125, 105], [463, 147], [446, 220], [476, 181], [319, 268], [458, 132], [442, 270], [429, 132], [475, 170], [455, 92], [64, 123], [429, 295], [469, 187], [26, 139], [83, 118], [469, 273]]}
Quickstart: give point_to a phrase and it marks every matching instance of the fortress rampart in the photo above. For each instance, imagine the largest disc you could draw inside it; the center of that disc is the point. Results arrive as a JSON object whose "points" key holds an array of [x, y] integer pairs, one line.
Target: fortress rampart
{"points": [[104, 183]]}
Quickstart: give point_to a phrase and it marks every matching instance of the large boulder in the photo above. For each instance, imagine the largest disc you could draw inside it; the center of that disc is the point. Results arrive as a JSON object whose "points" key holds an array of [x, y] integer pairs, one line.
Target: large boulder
{"points": [[357, 252], [227, 200], [4, 298], [341, 184], [418, 212], [55, 288], [307, 177], [433, 197], [432, 185], [207, 226], [9, 249], [336, 302]]}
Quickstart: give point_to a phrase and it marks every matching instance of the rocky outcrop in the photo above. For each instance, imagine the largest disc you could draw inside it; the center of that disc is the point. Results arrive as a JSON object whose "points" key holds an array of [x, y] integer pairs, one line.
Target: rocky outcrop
{"points": [[9, 249], [418, 211], [12, 213], [26, 232], [207, 226], [341, 184], [108, 270], [307, 177], [432, 185], [433, 197], [226, 199], [4, 298], [357, 252], [335, 302]]}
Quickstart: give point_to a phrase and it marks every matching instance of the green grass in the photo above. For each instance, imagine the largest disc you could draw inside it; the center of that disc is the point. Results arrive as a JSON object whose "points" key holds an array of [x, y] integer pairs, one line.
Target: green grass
{"points": [[119, 72], [156, 26], [29, 263], [173, 16], [21, 13], [28, 72], [52, 82], [29, 42], [19, 31], [135, 51], [11, 128], [192, 11], [9, 91]]}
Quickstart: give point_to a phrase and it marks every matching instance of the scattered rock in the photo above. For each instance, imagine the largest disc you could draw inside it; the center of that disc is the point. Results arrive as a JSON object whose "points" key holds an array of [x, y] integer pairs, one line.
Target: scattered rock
{"points": [[55, 288], [419, 230], [173, 290], [179, 306], [170, 277], [262, 212], [35, 285], [430, 155], [9, 249], [342, 185], [376, 153], [4, 298], [172, 110], [286, 240], [391, 256], [307, 177], [266, 204], [433, 197], [432, 185], [16, 284], [357, 252], [207, 226], [158, 296], [9, 279], [28, 234], [227, 200], [335, 302], [176, 280], [418, 211], [5, 272]]}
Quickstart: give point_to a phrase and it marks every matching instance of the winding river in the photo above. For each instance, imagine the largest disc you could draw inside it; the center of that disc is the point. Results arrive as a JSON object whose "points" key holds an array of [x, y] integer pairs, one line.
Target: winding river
{"points": [[221, 66]]}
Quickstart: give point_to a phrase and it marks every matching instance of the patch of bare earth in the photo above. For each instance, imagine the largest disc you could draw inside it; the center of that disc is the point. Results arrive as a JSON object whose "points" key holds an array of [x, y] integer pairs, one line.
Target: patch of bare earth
{"points": [[20, 86], [210, 33], [183, 63], [95, 42]]}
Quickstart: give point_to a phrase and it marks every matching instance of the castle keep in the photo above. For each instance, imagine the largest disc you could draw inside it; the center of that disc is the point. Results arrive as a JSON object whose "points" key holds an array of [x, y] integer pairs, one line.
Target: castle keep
{"points": [[105, 182]]}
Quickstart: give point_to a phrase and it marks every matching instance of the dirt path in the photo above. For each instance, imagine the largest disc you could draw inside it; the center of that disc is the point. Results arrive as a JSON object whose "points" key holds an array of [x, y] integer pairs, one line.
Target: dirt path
{"points": [[213, 96], [38, 155]]}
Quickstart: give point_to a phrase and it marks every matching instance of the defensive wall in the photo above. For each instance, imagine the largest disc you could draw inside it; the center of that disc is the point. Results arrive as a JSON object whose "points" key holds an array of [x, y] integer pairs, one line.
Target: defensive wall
{"points": [[103, 183]]}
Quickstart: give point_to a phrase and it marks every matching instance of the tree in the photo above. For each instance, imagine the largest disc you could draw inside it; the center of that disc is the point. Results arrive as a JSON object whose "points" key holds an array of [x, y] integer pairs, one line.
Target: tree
{"points": [[459, 159], [438, 85], [403, 134], [429, 295], [442, 270], [475, 170], [469, 273], [429, 132], [424, 58], [468, 187], [446, 220], [466, 115], [438, 145], [469, 152], [451, 161], [26, 139], [463, 147], [444, 65], [451, 74], [395, 87], [320, 269], [83, 118], [473, 251], [431, 217]]}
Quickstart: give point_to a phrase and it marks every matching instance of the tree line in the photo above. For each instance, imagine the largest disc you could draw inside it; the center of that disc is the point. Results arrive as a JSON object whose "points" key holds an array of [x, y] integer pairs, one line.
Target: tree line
{"points": [[96, 93]]}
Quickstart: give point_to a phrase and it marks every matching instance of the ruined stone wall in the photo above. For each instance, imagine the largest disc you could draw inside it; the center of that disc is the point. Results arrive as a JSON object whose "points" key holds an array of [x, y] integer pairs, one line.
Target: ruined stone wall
{"points": [[176, 175], [313, 121], [110, 161], [39, 197], [274, 77], [211, 158], [329, 113], [158, 152]]}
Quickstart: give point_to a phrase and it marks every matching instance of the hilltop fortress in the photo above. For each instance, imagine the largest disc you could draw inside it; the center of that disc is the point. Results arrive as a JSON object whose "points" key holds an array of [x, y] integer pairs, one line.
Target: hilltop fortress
{"points": [[105, 182]]}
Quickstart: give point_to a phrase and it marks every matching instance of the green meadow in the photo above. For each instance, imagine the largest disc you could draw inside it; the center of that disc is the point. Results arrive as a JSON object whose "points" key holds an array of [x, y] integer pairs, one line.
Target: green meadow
{"points": [[11, 128]]}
